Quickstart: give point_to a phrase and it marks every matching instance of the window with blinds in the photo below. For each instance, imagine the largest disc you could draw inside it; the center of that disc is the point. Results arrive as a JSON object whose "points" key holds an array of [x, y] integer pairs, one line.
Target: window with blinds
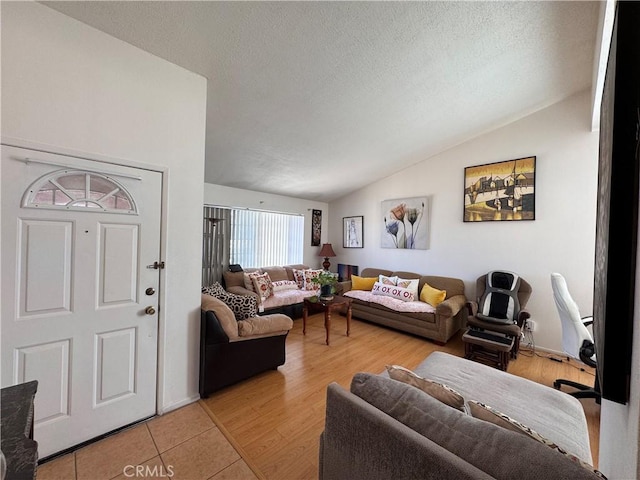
{"points": [[262, 239]]}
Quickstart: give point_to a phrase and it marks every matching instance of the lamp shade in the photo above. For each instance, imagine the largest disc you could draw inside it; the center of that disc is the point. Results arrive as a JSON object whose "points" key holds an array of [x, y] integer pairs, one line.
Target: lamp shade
{"points": [[327, 251]]}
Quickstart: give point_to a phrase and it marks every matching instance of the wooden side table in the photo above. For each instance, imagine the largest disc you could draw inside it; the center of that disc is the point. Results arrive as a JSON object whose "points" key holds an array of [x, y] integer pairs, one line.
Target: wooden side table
{"points": [[326, 306]]}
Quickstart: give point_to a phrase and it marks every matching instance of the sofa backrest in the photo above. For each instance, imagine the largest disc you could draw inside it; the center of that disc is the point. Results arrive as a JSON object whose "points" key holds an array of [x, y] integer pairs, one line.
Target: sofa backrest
{"points": [[276, 274], [496, 451], [374, 272]]}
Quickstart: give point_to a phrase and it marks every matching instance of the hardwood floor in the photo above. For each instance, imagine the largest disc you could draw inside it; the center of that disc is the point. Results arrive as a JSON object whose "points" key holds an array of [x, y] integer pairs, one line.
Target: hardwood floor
{"points": [[277, 417]]}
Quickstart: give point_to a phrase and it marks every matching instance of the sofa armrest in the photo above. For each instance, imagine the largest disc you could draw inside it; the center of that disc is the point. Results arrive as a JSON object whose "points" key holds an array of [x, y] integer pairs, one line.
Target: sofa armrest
{"points": [[472, 308], [275, 323], [242, 291], [451, 306], [345, 286]]}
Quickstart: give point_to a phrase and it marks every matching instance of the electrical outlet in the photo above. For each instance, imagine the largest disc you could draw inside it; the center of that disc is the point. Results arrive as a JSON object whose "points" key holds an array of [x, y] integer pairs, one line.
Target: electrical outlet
{"points": [[530, 326]]}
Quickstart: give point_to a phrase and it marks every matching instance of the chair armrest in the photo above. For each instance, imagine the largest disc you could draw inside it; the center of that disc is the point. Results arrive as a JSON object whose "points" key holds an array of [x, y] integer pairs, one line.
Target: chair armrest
{"points": [[472, 308], [451, 306], [522, 316]]}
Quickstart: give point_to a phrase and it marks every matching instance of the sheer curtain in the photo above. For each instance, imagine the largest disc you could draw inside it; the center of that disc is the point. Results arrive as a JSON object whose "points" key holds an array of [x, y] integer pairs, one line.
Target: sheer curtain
{"points": [[261, 239]]}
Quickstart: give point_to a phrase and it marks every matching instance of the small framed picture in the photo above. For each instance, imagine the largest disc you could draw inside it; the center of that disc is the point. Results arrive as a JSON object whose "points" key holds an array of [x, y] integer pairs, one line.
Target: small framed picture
{"points": [[352, 232]]}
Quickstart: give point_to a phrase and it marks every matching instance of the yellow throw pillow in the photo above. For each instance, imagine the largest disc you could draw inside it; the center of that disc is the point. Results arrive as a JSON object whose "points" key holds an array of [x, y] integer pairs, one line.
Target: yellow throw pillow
{"points": [[432, 296], [362, 283]]}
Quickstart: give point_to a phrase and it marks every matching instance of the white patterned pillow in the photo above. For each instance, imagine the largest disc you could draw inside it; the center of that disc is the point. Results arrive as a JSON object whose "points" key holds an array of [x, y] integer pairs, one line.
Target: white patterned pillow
{"points": [[388, 280], [490, 414], [248, 280], [392, 291], [262, 285], [309, 275], [298, 276], [242, 306], [281, 285], [409, 284]]}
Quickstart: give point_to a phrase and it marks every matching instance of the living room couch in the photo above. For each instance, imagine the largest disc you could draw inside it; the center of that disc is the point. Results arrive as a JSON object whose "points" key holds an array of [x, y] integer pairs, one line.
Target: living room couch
{"points": [[384, 428], [288, 302], [232, 350], [439, 324]]}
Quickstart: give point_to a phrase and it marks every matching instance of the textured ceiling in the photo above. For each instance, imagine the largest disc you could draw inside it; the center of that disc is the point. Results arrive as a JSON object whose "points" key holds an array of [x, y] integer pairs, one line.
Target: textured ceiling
{"points": [[318, 99]]}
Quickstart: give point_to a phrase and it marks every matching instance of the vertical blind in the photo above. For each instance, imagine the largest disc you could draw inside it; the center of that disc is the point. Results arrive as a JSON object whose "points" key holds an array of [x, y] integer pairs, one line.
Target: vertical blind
{"points": [[261, 239]]}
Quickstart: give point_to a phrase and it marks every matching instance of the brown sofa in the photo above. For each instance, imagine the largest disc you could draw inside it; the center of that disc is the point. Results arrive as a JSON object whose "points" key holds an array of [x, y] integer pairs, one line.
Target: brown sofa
{"points": [[450, 315], [234, 283]]}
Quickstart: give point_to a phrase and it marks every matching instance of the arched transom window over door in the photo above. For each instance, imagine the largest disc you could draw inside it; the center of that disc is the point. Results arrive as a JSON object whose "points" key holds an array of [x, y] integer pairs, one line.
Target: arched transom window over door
{"points": [[79, 190]]}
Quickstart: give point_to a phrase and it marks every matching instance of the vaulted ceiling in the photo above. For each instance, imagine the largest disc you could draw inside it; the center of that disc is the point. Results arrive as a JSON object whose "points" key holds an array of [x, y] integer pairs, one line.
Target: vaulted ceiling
{"points": [[318, 99]]}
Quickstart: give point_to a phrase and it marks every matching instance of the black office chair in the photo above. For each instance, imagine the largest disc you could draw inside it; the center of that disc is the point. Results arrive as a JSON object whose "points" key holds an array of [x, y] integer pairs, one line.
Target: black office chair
{"points": [[576, 339]]}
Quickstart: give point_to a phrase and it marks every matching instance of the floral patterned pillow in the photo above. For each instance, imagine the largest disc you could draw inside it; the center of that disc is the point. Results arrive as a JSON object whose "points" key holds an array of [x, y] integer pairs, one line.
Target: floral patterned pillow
{"points": [[262, 285], [298, 276], [309, 275], [248, 280]]}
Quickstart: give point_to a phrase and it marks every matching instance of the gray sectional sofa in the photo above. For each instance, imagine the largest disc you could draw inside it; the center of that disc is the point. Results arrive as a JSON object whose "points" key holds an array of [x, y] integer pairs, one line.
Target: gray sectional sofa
{"points": [[384, 429], [449, 318]]}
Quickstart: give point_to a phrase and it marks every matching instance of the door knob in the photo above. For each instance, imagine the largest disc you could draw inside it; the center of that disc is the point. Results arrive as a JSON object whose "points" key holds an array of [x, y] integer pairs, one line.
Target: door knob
{"points": [[150, 291], [150, 310]]}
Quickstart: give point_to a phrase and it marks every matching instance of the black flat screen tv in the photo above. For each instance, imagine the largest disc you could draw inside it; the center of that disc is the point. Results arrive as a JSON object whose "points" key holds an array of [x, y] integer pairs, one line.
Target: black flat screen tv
{"points": [[617, 209]]}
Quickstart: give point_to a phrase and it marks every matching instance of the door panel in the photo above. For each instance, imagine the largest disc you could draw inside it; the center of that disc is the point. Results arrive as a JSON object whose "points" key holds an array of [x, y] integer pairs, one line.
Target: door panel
{"points": [[118, 269], [73, 281], [45, 274], [49, 363], [115, 365]]}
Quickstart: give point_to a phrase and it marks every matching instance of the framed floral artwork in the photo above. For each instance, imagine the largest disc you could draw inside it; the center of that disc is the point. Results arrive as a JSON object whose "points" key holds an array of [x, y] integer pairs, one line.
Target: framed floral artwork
{"points": [[352, 232], [404, 223]]}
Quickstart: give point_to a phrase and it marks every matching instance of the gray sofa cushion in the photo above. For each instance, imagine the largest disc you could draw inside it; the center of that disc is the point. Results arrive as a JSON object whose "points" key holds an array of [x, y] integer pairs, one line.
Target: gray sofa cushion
{"points": [[500, 453], [553, 414]]}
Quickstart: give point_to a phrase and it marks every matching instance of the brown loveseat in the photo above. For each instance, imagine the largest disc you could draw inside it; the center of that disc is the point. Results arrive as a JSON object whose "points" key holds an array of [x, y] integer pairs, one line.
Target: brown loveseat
{"points": [[449, 317]]}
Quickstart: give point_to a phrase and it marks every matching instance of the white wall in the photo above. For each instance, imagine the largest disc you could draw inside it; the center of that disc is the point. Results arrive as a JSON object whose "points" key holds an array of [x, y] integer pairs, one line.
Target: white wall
{"points": [[237, 197], [560, 239], [69, 86]]}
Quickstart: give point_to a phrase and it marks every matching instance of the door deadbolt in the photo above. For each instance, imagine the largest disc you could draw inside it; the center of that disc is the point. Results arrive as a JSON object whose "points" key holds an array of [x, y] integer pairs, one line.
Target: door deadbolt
{"points": [[150, 291], [150, 310]]}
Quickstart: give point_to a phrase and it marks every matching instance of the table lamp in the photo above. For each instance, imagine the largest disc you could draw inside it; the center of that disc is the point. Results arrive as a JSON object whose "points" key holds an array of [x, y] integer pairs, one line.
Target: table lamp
{"points": [[326, 251]]}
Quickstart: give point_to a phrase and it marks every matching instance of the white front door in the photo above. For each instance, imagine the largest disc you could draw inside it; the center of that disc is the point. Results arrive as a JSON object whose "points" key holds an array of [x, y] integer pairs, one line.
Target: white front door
{"points": [[79, 302]]}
